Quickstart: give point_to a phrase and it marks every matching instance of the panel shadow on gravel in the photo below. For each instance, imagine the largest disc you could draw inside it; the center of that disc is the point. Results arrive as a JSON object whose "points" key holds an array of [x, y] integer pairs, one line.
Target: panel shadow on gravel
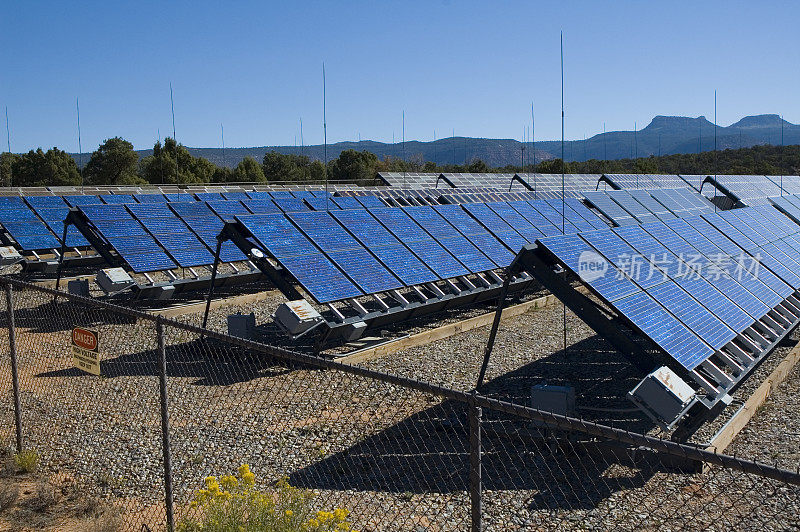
{"points": [[429, 453], [207, 362]]}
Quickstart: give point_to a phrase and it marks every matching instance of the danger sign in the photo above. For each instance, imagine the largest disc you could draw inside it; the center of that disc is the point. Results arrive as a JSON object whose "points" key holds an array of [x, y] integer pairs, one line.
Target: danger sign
{"points": [[85, 350]]}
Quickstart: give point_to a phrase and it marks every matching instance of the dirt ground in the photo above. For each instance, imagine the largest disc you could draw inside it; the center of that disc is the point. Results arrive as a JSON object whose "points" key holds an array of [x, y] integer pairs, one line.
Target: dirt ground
{"points": [[31, 502]]}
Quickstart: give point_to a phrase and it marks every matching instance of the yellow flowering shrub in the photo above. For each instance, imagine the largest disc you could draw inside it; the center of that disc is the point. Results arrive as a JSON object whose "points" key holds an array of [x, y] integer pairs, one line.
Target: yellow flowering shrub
{"points": [[233, 502]]}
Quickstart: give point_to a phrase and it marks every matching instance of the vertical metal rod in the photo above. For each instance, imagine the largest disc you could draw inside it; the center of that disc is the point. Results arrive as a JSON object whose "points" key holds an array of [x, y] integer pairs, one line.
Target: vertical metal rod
{"points": [[533, 143], [715, 149], [563, 170], [475, 481], [80, 149], [404, 148], [172, 107], [325, 137], [12, 343], [222, 137], [162, 382]]}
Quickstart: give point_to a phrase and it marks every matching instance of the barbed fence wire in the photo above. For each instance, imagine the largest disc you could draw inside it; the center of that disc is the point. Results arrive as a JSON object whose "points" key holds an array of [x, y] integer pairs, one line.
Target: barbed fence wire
{"points": [[175, 404]]}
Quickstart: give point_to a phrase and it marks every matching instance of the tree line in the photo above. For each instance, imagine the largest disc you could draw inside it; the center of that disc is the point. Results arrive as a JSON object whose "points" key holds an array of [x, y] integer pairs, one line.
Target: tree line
{"points": [[116, 163]]}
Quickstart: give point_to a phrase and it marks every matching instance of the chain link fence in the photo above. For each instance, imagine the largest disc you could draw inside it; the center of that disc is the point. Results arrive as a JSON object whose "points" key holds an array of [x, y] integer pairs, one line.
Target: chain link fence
{"points": [[175, 404]]}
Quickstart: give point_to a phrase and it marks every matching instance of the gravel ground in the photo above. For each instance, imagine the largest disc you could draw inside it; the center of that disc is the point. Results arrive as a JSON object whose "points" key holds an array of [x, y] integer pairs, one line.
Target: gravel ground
{"points": [[398, 459]]}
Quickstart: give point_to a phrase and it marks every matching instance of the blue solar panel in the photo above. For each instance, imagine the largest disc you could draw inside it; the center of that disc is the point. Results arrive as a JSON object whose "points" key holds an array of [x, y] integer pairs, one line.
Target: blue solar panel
{"points": [[179, 197], [281, 194], [682, 238], [410, 269], [315, 272], [437, 258], [75, 201], [324, 231], [623, 256], [347, 202], [577, 255], [321, 204], [696, 317], [724, 300], [399, 223], [574, 222], [149, 209], [290, 204], [149, 198], [664, 329], [227, 208], [456, 215], [209, 196], [367, 273], [420, 242], [25, 227], [196, 208], [541, 223], [516, 220], [469, 255], [551, 210], [261, 206], [259, 195], [370, 201], [45, 202], [278, 235], [236, 195], [303, 194], [771, 258], [320, 278], [609, 208], [116, 199], [365, 227]]}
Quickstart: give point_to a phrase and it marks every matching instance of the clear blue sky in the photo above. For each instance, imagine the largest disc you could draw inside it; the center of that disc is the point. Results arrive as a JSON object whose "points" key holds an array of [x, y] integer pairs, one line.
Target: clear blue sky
{"points": [[469, 66]]}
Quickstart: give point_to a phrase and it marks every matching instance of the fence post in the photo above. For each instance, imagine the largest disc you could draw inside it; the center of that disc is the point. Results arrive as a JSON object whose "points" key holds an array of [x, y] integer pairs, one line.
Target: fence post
{"points": [[12, 343], [162, 378], [475, 487]]}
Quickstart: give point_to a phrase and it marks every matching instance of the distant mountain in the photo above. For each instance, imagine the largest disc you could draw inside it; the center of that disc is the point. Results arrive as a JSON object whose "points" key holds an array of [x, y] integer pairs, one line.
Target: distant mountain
{"points": [[663, 135]]}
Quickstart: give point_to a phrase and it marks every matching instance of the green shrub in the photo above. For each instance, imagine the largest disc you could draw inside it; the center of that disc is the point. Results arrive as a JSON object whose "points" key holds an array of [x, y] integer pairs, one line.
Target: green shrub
{"points": [[27, 460], [234, 503]]}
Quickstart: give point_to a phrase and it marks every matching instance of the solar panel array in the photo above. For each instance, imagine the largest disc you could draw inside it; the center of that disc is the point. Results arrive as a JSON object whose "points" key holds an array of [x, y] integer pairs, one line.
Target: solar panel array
{"points": [[627, 207], [647, 181], [749, 189], [690, 284], [24, 226], [548, 186], [344, 253]]}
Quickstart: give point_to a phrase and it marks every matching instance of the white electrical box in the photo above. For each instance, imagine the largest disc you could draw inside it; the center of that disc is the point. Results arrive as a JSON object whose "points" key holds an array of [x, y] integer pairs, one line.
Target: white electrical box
{"points": [[663, 396], [297, 317], [112, 280], [9, 255]]}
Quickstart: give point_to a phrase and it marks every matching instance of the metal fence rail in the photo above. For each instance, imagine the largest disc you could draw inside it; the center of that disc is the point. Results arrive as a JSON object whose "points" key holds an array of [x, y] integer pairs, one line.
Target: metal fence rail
{"points": [[177, 403]]}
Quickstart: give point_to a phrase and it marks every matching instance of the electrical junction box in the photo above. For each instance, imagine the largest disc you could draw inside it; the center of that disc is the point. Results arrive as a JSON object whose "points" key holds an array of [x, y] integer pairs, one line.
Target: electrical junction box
{"points": [[9, 255], [78, 287], [242, 325], [555, 399], [663, 396], [297, 317], [112, 280]]}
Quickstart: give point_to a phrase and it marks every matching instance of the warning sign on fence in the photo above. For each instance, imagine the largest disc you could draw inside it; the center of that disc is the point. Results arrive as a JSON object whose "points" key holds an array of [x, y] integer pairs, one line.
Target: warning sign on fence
{"points": [[85, 350]]}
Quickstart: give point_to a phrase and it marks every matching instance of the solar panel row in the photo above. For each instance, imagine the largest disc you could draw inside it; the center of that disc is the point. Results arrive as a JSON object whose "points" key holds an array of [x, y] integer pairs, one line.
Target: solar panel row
{"points": [[690, 284]]}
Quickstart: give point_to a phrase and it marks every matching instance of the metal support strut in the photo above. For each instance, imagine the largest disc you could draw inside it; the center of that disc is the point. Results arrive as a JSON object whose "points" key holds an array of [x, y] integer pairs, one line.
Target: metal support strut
{"points": [[162, 385], [12, 343]]}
